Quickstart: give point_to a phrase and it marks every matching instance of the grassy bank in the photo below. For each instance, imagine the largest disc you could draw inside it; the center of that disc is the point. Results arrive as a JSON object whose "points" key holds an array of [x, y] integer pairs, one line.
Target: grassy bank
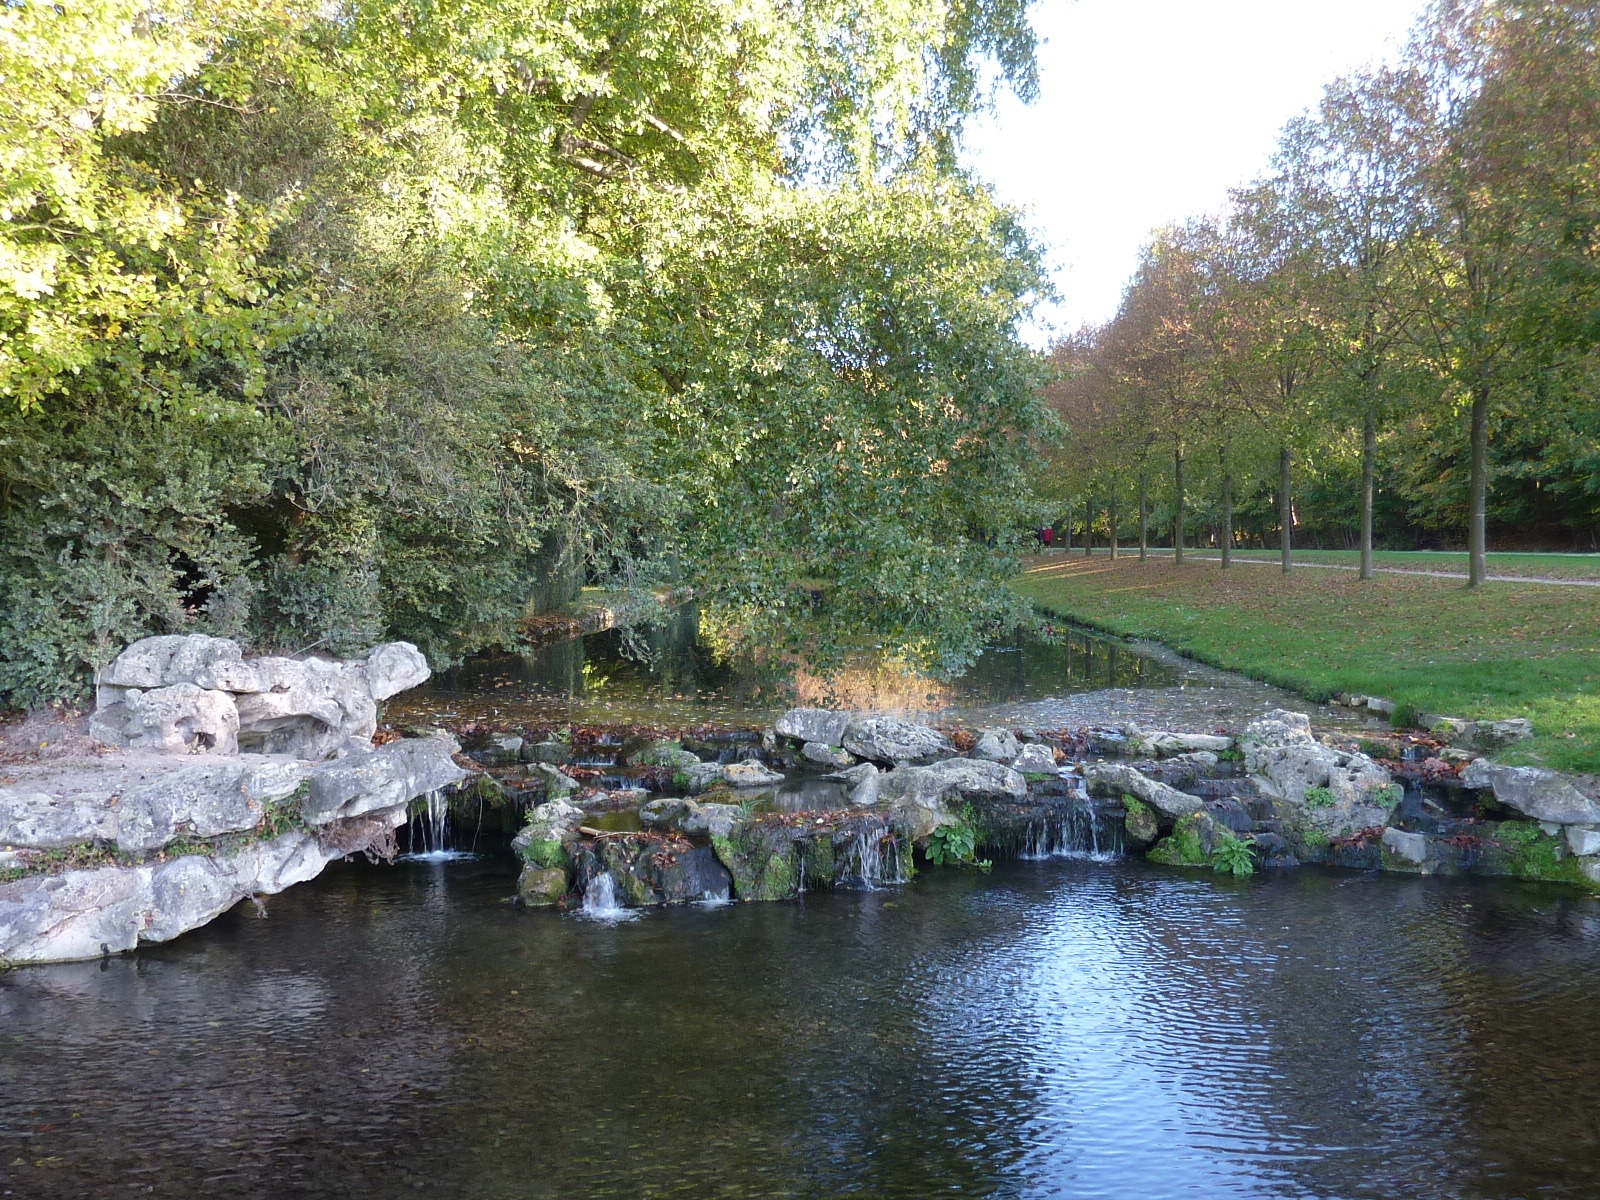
{"points": [[1526, 566], [1507, 650]]}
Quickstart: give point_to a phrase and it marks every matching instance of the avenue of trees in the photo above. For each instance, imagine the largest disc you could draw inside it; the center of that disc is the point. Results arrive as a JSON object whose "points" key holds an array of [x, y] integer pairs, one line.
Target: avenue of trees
{"points": [[323, 323], [1392, 336]]}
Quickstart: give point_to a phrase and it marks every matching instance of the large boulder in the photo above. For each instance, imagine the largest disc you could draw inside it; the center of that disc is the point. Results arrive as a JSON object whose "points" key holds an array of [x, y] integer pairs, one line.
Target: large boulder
{"points": [[896, 742], [947, 783], [1119, 779], [1336, 791], [691, 818], [1535, 792], [821, 725], [198, 694]]}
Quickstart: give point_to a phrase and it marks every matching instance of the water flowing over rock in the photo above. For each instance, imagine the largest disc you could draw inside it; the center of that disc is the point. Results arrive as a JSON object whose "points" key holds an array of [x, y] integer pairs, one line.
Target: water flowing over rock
{"points": [[896, 742]]}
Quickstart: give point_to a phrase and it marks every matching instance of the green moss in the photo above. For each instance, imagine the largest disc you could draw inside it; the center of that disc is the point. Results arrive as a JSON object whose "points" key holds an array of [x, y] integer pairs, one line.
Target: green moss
{"points": [[1522, 849], [761, 868], [546, 854], [1182, 848]]}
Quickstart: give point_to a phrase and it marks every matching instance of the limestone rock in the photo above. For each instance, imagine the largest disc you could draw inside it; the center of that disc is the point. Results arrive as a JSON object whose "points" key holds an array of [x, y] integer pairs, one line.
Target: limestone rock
{"points": [[1119, 779], [1276, 728], [826, 756], [40, 821], [951, 781], [997, 745], [861, 784], [154, 662], [1583, 842], [750, 773], [181, 719], [1408, 848], [1035, 759], [556, 781], [394, 668], [1337, 792], [1535, 792], [1165, 745], [386, 777], [890, 740], [813, 725]]}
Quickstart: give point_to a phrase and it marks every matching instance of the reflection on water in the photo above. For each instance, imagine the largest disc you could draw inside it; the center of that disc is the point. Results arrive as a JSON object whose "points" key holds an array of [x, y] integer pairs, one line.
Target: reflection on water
{"points": [[1052, 1030], [664, 675]]}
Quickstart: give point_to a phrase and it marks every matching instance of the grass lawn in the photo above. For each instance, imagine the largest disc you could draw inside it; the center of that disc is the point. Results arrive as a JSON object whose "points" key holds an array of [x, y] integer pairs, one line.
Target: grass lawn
{"points": [[1506, 650], [1530, 566]]}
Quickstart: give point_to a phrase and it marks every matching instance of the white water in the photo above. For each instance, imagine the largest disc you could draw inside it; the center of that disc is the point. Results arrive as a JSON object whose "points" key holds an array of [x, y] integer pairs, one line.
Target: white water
{"points": [[600, 902], [869, 863], [435, 831], [1078, 833]]}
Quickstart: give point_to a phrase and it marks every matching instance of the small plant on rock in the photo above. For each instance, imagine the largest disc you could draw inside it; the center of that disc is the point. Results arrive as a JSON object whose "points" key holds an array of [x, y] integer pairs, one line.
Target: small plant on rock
{"points": [[1233, 857], [956, 845], [1320, 797]]}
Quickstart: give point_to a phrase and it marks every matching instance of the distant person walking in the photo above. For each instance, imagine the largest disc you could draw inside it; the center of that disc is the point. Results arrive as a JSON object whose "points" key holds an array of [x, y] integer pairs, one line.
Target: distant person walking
{"points": [[1047, 536]]}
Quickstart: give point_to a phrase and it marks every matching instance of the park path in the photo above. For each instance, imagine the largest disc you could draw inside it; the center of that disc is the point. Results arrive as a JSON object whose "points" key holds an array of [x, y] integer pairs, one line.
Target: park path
{"points": [[1211, 556]]}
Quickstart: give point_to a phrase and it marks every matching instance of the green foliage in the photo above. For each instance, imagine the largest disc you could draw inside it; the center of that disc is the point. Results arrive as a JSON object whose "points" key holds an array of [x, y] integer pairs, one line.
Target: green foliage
{"points": [[1388, 795], [321, 326], [956, 844], [1233, 856], [1320, 797], [1405, 716]]}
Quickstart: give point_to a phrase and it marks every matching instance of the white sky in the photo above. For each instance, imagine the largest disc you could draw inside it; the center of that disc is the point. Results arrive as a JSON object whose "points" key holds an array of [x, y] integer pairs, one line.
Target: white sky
{"points": [[1149, 111]]}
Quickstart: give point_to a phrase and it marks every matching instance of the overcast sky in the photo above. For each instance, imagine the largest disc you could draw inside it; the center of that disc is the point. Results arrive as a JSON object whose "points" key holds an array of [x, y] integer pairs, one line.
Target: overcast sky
{"points": [[1150, 110]]}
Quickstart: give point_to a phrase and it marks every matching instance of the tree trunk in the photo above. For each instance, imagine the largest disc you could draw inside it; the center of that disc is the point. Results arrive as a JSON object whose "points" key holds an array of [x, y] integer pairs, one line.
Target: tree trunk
{"points": [[1227, 514], [1369, 458], [1066, 531], [1177, 515], [1478, 502], [1111, 518], [1144, 519], [1285, 511], [1088, 526]]}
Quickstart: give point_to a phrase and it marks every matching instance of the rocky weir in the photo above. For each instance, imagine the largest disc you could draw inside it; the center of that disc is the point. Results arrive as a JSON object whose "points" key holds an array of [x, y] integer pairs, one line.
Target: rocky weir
{"points": [[207, 778], [826, 799]]}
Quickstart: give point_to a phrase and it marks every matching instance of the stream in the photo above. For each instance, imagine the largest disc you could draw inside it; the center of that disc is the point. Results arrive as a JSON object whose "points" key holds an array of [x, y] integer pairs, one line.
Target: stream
{"points": [[1056, 1028]]}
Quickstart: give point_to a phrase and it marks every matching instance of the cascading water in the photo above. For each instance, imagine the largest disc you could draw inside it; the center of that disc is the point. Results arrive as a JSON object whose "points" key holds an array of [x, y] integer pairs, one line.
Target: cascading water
{"points": [[871, 858], [429, 832], [600, 901], [1075, 829]]}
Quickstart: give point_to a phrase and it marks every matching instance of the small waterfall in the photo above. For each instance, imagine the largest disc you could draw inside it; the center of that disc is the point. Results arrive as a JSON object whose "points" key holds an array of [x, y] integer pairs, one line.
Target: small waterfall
{"points": [[871, 858], [600, 901], [428, 832], [1076, 830]]}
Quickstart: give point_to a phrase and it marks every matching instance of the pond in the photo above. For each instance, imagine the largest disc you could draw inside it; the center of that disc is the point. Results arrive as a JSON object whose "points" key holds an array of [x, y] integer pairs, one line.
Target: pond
{"points": [[1055, 1029], [665, 675]]}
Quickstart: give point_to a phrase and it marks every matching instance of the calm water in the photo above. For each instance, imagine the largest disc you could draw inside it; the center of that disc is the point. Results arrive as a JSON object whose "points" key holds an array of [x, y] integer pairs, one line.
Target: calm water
{"points": [[663, 675], [1056, 1029]]}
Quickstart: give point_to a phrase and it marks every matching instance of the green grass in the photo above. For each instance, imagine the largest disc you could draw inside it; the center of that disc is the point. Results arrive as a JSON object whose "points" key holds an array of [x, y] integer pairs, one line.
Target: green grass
{"points": [[1528, 566], [1505, 650]]}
